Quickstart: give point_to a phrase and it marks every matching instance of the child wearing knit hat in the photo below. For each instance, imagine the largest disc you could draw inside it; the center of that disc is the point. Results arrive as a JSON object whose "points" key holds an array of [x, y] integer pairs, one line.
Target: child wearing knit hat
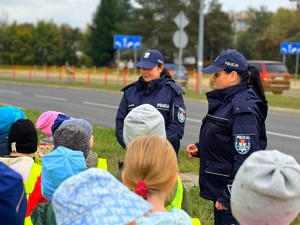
{"points": [[22, 144], [266, 189], [145, 119], [71, 147], [8, 115], [44, 124]]}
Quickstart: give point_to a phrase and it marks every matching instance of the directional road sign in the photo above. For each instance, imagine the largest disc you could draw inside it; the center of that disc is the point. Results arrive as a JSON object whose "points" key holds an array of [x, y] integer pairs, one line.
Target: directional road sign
{"points": [[181, 20], [127, 42], [290, 48]]}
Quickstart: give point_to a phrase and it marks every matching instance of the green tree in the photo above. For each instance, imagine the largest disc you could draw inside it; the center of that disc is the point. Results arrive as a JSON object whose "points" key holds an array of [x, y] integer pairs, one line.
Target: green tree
{"points": [[218, 31], [47, 46], [70, 44], [102, 30], [253, 42], [154, 22], [6, 40], [23, 41]]}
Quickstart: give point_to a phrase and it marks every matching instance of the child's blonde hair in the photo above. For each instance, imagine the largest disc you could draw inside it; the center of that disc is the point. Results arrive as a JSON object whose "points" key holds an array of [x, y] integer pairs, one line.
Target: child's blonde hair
{"points": [[152, 160]]}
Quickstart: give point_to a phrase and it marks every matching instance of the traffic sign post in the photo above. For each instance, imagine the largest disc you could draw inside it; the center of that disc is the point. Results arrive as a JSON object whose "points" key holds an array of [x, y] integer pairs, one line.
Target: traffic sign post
{"points": [[127, 42], [180, 38], [291, 48]]}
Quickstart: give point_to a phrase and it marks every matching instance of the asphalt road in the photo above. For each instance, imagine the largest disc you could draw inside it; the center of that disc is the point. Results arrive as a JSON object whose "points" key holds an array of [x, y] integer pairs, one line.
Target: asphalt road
{"points": [[100, 107]]}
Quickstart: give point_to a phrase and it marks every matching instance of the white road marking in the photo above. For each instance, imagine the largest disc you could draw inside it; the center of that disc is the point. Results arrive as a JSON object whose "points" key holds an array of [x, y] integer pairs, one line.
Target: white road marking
{"points": [[101, 105], [268, 132], [283, 135], [11, 92], [51, 97], [194, 120]]}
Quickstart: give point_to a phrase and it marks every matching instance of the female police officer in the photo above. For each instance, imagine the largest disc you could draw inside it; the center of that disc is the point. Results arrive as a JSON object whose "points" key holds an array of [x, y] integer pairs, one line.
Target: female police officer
{"points": [[155, 87], [232, 129]]}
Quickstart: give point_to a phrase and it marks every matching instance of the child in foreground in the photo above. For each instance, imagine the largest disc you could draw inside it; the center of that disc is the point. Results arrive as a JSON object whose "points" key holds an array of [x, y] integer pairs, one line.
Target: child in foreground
{"points": [[151, 171]]}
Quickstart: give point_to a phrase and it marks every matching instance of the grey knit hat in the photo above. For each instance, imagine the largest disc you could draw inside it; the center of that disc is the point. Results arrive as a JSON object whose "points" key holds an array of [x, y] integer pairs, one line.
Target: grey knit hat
{"points": [[266, 189], [79, 122], [143, 120], [73, 137]]}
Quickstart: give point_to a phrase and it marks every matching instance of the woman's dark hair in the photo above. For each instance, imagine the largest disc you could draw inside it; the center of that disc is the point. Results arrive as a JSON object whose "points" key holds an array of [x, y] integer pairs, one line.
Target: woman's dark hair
{"points": [[253, 79], [166, 72]]}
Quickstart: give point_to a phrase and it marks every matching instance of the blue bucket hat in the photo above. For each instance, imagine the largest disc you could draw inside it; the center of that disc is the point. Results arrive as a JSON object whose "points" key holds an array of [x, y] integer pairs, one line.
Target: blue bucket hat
{"points": [[150, 59], [96, 197], [229, 59], [59, 165], [9, 115]]}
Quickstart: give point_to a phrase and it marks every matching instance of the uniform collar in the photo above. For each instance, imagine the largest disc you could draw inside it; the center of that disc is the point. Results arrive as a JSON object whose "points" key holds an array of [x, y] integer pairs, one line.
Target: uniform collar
{"points": [[154, 83], [226, 94], [216, 97]]}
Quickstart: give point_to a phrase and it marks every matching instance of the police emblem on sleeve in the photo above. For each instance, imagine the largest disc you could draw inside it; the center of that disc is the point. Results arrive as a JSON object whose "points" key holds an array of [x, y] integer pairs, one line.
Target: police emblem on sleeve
{"points": [[242, 144], [181, 115]]}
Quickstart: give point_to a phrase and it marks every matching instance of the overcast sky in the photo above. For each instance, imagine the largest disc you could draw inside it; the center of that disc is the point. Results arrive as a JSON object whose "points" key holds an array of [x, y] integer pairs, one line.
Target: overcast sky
{"points": [[78, 13]]}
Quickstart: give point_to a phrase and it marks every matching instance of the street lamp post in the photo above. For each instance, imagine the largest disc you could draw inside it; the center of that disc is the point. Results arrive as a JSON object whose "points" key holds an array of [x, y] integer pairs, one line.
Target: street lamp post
{"points": [[297, 56], [200, 46]]}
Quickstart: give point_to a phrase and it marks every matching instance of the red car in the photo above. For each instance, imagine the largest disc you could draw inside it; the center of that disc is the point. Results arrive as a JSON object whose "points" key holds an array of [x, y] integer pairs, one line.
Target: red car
{"points": [[273, 74]]}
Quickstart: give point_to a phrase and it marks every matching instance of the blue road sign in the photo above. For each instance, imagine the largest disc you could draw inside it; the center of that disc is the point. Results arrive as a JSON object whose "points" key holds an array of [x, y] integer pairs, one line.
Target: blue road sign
{"points": [[127, 42], [290, 48]]}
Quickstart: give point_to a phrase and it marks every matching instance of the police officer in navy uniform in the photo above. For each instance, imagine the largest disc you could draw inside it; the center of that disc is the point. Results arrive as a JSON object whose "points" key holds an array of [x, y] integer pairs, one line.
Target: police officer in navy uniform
{"points": [[233, 128], [156, 87]]}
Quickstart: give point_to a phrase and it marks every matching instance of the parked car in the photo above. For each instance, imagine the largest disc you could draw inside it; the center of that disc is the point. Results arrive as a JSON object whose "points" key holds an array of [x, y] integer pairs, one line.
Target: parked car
{"points": [[273, 74], [181, 77]]}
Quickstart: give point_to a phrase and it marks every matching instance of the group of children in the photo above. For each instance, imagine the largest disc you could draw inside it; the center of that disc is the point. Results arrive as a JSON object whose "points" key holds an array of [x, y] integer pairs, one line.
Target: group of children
{"points": [[68, 187], [64, 181]]}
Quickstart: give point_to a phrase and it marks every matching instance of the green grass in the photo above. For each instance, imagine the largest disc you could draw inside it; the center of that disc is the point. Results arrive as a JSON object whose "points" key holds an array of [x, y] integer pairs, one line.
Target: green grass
{"points": [[106, 146]]}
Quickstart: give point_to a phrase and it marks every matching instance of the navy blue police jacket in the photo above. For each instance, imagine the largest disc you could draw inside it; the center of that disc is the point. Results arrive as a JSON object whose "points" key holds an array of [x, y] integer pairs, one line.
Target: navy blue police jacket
{"points": [[165, 95], [233, 128]]}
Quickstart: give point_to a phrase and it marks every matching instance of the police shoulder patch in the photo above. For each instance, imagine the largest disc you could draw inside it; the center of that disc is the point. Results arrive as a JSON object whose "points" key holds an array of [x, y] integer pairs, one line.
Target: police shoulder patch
{"points": [[242, 144], [181, 116]]}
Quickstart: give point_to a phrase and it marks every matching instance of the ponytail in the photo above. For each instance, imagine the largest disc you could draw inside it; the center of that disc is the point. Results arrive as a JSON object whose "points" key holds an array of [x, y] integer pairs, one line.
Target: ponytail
{"points": [[141, 189], [166, 72], [255, 82]]}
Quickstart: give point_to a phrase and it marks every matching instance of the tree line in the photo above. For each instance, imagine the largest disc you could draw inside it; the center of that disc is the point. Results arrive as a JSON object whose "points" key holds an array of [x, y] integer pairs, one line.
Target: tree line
{"points": [[46, 43]]}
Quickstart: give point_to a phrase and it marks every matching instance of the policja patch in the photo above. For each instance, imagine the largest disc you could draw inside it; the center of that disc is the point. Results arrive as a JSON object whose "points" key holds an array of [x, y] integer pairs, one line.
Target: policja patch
{"points": [[242, 144], [181, 115]]}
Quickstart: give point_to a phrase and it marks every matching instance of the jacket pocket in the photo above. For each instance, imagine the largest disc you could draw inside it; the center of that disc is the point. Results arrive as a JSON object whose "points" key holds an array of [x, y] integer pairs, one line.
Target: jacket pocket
{"points": [[218, 169], [218, 125]]}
